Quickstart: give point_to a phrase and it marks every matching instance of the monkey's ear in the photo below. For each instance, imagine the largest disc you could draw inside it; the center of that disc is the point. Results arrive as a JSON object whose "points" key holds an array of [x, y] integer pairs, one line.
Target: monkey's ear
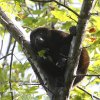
{"points": [[73, 30]]}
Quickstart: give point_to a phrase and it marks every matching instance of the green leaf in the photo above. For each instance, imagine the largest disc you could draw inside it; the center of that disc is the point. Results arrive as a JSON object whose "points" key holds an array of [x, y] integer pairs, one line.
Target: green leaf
{"points": [[60, 15]]}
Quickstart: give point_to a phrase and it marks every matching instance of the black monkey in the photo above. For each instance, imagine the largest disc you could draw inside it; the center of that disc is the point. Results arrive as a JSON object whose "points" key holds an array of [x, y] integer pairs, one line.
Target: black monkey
{"points": [[54, 42], [56, 45]]}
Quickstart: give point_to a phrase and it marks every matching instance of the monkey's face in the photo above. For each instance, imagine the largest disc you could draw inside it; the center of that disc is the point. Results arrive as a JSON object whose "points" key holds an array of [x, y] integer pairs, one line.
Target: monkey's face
{"points": [[39, 38]]}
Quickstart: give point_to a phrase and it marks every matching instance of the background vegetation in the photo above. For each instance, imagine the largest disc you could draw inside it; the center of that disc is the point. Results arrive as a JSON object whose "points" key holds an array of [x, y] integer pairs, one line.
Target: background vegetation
{"points": [[16, 75]]}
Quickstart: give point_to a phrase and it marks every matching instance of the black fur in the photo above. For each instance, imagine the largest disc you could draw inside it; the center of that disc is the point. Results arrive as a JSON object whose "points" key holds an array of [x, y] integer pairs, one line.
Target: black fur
{"points": [[56, 45]]}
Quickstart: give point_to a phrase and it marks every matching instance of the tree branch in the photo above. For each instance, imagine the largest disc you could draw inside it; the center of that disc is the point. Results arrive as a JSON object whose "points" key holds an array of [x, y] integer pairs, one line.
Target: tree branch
{"points": [[88, 93], [75, 48], [67, 8], [85, 75], [5, 56], [11, 61], [7, 51], [63, 5], [18, 36]]}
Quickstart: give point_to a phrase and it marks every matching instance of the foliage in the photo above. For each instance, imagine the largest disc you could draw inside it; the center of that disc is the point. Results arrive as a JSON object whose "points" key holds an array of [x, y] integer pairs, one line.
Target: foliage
{"points": [[31, 15]]}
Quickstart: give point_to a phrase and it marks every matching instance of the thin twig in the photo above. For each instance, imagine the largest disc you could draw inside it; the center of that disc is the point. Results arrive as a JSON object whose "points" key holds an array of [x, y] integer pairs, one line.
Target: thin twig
{"points": [[42, 1], [18, 59], [85, 75], [88, 93], [8, 47], [10, 84], [5, 56], [29, 84], [67, 8], [58, 4]]}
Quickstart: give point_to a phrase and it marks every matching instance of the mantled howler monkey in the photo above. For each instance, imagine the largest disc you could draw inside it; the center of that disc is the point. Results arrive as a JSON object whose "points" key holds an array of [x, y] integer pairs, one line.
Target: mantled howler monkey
{"points": [[56, 45]]}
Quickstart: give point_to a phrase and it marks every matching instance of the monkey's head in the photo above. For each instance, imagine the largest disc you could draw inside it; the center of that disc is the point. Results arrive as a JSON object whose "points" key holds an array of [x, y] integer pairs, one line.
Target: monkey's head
{"points": [[54, 44], [38, 38]]}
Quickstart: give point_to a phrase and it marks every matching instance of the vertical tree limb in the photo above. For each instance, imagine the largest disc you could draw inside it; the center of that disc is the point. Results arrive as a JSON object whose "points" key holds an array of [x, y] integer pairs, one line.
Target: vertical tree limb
{"points": [[75, 48]]}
